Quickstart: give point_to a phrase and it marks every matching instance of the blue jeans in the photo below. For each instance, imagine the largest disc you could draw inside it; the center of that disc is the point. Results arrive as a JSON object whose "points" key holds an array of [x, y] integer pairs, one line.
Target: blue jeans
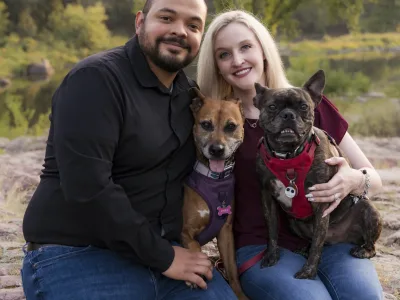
{"points": [[69, 273], [340, 276]]}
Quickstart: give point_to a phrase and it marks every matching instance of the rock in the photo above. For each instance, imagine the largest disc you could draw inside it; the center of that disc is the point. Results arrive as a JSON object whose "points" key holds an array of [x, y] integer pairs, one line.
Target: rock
{"points": [[393, 239], [40, 70], [12, 294], [4, 83], [8, 232], [3, 142], [10, 281], [391, 222], [387, 296], [25, 144], [10, 269]]}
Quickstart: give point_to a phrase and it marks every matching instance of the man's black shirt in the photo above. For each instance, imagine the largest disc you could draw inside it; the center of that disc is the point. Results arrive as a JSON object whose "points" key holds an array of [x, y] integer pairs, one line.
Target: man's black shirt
{"points": [[119, 147]]}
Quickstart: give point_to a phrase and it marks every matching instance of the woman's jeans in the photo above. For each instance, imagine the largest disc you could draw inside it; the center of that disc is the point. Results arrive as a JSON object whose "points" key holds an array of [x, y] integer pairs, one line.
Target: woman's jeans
{"points": [[340, 276], [89, 273]]}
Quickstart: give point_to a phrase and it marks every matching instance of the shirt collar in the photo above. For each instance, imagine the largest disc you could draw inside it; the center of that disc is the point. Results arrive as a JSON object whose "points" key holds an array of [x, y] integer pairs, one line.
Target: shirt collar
{"points": [[142, 70]]}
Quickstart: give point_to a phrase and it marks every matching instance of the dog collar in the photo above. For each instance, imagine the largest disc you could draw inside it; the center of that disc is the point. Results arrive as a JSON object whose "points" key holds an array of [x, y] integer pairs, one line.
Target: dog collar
{"points": [[296, 151], [201, 168]]}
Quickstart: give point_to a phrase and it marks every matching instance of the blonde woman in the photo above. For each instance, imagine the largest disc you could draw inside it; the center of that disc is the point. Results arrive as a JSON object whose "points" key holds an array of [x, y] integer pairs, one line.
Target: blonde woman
{"points": [[238, 51]]}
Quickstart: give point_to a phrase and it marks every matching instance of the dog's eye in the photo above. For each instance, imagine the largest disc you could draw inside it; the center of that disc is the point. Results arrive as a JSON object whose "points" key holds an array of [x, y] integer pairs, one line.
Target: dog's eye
{"points": [[206, 125], [272, 107], [304, 106], [230, 127]]}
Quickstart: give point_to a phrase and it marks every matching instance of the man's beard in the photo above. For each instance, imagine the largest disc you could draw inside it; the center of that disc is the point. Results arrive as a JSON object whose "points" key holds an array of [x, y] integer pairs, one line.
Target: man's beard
{"points": [[169, 63]]}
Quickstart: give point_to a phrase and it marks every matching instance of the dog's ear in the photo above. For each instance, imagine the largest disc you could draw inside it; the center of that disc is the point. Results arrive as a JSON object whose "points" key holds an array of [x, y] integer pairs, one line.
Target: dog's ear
{"points": [[240, 104], [260, 90], [315, 86], [197, 101]]}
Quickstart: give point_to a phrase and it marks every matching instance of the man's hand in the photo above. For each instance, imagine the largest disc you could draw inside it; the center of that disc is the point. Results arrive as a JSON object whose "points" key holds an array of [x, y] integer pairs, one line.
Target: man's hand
{"points": [[188, 266]]}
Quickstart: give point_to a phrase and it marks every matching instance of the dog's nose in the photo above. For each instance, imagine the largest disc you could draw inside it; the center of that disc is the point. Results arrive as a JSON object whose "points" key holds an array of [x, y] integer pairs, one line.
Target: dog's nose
{"points": [[216, 150], [287, 114]]}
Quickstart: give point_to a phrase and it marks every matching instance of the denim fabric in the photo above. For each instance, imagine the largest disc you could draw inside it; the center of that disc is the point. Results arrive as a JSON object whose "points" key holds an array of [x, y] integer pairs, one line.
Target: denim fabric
{"points": [[340, 276], [89, 273]]}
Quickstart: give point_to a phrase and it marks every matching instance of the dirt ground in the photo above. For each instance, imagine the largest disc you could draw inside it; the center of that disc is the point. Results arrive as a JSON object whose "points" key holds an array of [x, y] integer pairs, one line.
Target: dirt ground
{"points": [[21, 161]]}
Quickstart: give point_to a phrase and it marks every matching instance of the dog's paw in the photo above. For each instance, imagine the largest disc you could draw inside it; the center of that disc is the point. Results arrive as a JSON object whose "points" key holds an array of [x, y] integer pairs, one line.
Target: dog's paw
{"points": [[270, 259], [306, 273], [361, 252], [191, 285], [242, 296]]}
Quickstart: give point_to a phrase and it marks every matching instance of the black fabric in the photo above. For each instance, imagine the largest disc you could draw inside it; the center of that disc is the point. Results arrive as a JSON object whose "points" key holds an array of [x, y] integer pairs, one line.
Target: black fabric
{"points": [[119, 147]]}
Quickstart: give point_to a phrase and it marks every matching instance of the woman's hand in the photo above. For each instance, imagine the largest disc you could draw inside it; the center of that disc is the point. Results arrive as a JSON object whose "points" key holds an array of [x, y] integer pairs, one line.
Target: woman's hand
{"points": [[342, 183]]}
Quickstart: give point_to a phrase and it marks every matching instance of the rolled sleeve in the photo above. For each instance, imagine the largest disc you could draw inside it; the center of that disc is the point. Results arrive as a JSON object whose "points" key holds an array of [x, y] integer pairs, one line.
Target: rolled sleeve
{"points": [[328, 118]]}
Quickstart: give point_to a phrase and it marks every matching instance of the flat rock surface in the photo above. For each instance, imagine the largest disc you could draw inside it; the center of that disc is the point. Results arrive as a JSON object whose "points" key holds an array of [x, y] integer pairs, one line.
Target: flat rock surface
{"points": [[22, 160]]}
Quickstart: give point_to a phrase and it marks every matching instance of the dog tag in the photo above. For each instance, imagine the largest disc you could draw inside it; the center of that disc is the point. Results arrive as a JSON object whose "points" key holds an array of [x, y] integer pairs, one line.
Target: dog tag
{"points": [[291, 190], [224, 210]]}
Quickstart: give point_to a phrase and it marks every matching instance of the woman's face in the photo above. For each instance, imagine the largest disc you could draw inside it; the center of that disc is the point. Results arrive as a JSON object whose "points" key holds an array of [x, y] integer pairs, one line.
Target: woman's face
{"points": [[239, 56]]}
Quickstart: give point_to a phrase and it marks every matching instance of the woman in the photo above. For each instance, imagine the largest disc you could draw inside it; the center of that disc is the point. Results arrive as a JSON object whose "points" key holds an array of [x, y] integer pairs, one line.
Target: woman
{"points": [[238, 51]]}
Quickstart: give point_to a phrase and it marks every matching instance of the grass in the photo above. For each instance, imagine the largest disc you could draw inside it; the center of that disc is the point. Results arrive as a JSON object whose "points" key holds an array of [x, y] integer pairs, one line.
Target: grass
{"points": [[350, 42], [19, 53], [378, 117]]}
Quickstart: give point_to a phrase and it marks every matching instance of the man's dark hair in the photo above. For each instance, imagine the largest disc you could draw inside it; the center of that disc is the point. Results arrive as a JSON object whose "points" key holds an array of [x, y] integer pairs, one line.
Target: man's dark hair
{"points": [[147, 6]]}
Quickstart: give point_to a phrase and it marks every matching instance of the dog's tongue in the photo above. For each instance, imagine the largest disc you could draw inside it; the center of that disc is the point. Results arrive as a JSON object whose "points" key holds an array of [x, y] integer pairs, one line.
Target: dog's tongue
{"points": [[217, 165]]}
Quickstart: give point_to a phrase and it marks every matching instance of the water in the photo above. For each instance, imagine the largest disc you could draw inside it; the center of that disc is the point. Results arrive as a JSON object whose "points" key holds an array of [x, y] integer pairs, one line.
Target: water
{"points": [[25, 107]]}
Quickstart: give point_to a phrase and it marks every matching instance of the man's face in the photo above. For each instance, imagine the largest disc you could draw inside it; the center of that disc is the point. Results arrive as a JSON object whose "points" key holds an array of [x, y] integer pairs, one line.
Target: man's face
{"points": [[171, 32]]}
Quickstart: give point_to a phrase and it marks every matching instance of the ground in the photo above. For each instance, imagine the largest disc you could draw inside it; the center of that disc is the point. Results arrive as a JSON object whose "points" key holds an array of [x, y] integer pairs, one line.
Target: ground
{"points": [[21, 161]]}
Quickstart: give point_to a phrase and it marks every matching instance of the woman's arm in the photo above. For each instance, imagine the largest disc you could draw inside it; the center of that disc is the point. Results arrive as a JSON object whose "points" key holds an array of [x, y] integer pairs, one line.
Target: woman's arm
{"points": [[348, 179], [359, 162]]}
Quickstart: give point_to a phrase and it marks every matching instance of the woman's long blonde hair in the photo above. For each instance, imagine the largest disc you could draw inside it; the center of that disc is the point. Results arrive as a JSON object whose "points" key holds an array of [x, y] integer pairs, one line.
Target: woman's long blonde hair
{"points": [[211, 83]]}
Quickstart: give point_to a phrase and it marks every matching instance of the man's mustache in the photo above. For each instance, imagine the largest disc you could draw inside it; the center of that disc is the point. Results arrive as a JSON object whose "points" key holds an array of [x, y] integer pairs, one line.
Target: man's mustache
{"points": [[181, 42]]}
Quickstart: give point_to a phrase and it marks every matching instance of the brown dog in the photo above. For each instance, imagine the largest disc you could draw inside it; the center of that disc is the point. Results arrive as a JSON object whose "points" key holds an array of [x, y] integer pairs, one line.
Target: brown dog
{"points": [[291, 160], [208, 199]]}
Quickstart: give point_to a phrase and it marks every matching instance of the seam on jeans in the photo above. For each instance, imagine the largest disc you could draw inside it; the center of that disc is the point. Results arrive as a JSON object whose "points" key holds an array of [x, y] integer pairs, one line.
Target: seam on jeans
{"points": [[36, 281], [260, 288], [154, 279], [49, 261], [330, 283]]}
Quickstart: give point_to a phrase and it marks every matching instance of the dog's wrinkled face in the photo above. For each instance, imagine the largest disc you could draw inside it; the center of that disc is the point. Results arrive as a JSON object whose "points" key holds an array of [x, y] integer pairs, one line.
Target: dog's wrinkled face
{"points": [[287, 114], [218, 129]]}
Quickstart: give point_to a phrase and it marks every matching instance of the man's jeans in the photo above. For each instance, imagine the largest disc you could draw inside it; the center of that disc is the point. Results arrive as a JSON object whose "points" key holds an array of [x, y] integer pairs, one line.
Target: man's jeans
{"points": [[90, 273], [340, 276]]}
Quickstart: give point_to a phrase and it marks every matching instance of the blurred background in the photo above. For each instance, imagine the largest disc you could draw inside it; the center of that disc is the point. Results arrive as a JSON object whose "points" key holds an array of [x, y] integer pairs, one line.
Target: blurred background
{"points": [[357, 43]]}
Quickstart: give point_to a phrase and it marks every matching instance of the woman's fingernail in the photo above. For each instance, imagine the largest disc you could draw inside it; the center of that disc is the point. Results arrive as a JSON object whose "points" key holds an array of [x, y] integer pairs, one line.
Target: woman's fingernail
{"points": [[311, 199], [309, 195], [311, 188]]}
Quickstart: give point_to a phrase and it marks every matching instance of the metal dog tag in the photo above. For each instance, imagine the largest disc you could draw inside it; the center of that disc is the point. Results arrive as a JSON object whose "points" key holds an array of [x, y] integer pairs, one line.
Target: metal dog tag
{"points": [[291, 190]]}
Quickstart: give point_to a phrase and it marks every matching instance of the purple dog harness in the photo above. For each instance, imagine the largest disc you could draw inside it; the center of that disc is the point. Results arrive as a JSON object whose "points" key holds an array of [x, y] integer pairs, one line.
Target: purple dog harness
{"points": [[217, 189]]}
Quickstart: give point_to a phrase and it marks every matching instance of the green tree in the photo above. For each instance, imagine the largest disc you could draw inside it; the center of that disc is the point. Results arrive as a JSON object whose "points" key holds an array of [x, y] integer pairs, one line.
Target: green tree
{"points": [[4, 22], [81, 27], [278, 14], [26, 26], [138, 5], [381, 16]]}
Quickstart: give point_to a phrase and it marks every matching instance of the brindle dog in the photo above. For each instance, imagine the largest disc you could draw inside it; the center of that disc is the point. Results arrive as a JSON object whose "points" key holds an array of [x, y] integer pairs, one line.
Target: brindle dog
{"points": [[287, 117], [218, 131]]}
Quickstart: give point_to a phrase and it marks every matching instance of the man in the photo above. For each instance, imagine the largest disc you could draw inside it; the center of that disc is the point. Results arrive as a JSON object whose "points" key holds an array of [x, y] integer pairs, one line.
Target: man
{"points": [[105, 220]]}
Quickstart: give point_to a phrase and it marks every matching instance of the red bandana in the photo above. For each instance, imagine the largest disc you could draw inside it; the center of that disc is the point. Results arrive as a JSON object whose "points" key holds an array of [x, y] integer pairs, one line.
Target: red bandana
{"points": [[296, 169]]}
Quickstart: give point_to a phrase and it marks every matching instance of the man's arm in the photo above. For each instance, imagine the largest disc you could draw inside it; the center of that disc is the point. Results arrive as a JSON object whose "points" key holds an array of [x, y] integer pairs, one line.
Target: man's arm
{"points": [[88, 118]]}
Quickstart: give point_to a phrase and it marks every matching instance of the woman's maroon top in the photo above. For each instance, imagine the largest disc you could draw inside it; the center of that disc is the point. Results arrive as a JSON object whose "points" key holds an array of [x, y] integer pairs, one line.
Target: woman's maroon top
{"points": [[249, 224]]}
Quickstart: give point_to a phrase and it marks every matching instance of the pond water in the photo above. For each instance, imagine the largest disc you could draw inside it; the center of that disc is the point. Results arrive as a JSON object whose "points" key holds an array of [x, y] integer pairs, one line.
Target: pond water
{"points": [[25, 107]]}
